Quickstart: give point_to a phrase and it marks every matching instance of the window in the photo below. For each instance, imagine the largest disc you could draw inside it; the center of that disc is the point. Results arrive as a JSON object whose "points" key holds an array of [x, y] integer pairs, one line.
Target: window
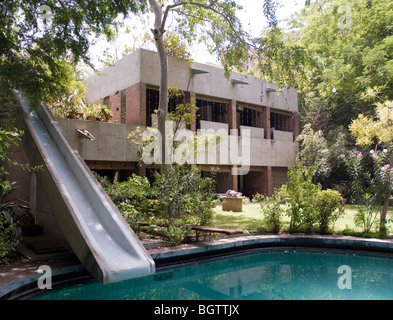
{"points": [[123, 107], [152, 101], [211, 111], [249, 117], [152, 98], [280, 121]]}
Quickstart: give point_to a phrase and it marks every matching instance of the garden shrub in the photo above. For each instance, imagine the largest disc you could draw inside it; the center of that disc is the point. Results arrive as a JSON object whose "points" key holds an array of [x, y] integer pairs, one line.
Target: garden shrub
{"points": [[272, 212], [177, 197], [130, 213], [330, 206], [183, 193], [132, 198], [175, 233], [369, 187], [185, 196], [8, 228], [300, 193]]}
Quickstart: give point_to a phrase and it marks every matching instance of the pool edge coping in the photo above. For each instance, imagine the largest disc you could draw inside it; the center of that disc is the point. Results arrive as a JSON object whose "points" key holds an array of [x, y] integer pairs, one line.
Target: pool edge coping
{"points": [[227, 245]]}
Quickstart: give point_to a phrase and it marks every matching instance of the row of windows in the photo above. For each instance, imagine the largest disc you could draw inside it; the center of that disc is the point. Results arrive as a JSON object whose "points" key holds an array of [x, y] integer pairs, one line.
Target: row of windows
{"points": [[211, 111]]}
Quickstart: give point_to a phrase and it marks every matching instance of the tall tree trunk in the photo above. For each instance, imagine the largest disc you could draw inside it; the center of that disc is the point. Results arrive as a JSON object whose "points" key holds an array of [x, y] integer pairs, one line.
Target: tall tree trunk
{"points": [[382, 225], [158, 33]]}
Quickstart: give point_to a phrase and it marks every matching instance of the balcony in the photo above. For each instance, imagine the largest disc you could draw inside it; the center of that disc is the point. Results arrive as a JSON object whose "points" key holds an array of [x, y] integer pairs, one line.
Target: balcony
{"points": [[111, 144]]}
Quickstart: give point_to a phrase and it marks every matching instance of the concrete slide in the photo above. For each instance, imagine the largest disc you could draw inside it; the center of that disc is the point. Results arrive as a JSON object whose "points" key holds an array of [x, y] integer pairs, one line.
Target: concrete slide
{"points": [[100, 237]]}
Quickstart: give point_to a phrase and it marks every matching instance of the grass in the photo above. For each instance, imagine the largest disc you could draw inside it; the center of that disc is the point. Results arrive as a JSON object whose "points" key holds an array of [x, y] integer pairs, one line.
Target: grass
{"points": [[251, 218]]}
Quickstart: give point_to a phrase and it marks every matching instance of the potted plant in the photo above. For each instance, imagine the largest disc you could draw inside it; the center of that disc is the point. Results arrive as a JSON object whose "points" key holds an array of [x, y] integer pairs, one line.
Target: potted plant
{"points": [[69, 105], [72, 112], [92, 112], [98, 112], [106, 113]]}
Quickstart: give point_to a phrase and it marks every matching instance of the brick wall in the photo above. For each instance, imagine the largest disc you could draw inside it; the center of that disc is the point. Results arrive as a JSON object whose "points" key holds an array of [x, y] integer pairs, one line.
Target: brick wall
{"points": [[267, 183], [266, 121], [115, 102], [136, 104], [231, 109]]}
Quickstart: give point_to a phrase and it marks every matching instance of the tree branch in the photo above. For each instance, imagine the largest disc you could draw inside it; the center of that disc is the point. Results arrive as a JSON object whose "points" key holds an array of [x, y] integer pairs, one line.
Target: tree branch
{"points": [[173, 6]]}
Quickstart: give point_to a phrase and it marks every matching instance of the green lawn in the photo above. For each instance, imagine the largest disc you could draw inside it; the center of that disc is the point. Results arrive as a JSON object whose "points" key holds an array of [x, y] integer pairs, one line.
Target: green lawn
{"points": [[251, 218]]}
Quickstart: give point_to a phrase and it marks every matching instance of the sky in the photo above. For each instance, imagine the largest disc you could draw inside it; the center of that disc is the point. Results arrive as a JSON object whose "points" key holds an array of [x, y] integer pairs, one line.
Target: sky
{"points": [[254, 21], [252, 18]]}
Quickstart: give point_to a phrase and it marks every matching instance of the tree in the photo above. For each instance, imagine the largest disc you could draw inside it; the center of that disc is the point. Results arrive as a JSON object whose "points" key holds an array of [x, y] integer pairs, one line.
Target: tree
{"points": [[314, 151], [37, 36], [352, 44], [217, 21], [378, 132]]}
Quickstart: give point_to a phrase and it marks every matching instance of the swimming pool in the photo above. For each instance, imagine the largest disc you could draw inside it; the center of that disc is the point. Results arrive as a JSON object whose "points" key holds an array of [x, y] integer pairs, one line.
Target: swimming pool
{"points": [[258, 275]]}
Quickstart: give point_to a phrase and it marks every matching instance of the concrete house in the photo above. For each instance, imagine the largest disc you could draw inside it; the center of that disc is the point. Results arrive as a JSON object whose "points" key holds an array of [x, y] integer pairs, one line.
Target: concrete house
{"points": [[242, 102]]}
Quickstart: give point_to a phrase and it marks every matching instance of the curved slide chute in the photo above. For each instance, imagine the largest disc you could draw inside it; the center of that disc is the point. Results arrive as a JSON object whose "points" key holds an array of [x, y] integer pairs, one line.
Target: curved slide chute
{"points": [[98, 234]]}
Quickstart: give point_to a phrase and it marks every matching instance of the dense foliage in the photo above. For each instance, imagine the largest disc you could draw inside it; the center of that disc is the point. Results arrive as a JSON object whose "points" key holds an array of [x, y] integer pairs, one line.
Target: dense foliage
{"points": [[37, 36], [309, 208], [352, 44], [167, 204]]}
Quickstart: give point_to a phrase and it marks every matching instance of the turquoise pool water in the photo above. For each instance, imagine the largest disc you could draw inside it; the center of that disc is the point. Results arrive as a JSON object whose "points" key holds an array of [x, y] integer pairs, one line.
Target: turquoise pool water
{"points": [[286, 275]]}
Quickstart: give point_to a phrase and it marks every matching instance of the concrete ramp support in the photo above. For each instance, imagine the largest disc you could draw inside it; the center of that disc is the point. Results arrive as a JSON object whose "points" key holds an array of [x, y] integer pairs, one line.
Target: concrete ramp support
{"points": [[100, 237]]}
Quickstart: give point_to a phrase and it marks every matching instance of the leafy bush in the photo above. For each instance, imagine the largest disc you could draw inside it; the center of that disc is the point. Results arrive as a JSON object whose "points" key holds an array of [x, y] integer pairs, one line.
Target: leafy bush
{"points": [[182, 192], [132, 198], [177, 197], [272, 212], [330, 206], [367, 213], [369, 187], [8, 229], [133, 217], [175, 233], [300, 193]]}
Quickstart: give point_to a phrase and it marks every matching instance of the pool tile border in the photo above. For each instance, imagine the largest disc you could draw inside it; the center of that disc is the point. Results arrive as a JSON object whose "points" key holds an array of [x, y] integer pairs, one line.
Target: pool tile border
{"points": [[227, 245], [251, 242]]}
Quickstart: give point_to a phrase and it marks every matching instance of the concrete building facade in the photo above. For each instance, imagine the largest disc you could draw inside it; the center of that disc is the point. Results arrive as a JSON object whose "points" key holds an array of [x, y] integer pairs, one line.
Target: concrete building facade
{"points": [[241, 102]]}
